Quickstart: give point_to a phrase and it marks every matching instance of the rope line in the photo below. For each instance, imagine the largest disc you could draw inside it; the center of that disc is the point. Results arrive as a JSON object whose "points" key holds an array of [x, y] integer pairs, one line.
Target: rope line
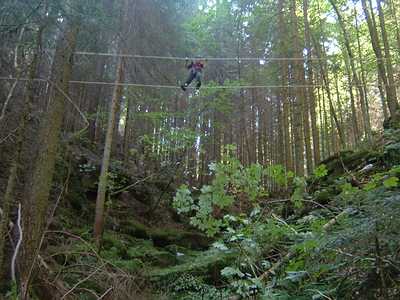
{"points": [[259, 59], [127, 84], [178, 58], [167, 86]]}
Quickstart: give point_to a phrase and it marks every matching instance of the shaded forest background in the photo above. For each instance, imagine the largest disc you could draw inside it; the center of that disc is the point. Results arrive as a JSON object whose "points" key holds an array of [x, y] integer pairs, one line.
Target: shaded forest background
{"points": [[287, 82]]}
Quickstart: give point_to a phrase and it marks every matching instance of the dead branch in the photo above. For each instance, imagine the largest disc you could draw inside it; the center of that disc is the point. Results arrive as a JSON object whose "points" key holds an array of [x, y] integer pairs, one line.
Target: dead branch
{"points": [[19, 73], [132, 185], [105, 293], [292, 253], [15, 255], [82, 281], [333, 221], [47, 226]]}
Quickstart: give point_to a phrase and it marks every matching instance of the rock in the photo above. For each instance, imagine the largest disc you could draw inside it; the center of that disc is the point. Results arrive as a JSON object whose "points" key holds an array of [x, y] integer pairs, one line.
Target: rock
{"points": [[167, 236], [207, 263]]}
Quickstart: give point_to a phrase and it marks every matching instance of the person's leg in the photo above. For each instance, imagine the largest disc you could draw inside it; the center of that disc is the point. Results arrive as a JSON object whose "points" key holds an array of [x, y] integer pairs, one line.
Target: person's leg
{"points": [[198, 79], [189, 80], [192, 75]]}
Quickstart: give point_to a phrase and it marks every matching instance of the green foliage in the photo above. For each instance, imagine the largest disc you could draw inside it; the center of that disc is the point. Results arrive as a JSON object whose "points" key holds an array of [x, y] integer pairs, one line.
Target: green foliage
{"points": [[320, 172], [115, 181], [231, 181], [298, 193], [188, 287], [230, 272], [387, 179], [348, 191], [13, 293], [183, 202], [392, 153], [279, 174], [391, 182]]}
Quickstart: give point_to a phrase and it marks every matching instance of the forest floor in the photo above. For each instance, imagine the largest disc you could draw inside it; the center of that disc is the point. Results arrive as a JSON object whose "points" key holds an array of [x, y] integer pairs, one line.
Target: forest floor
{"points": [[342, 242]]}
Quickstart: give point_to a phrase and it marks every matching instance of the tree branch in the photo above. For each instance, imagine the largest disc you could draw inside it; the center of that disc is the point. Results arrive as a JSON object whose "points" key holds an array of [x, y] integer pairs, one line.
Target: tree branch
{"points": [[15, 255]]}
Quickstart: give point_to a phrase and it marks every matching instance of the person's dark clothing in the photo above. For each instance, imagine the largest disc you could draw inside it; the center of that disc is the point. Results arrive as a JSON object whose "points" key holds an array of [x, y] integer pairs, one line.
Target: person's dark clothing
{"points": [[196, 69], [192, 76], [198, 66]]}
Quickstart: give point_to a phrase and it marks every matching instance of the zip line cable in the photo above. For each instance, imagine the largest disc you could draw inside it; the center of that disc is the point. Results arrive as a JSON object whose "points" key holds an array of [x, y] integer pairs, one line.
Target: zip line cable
{"points": [[261, 60], [178, 58], [165, 86], [127, 84]]}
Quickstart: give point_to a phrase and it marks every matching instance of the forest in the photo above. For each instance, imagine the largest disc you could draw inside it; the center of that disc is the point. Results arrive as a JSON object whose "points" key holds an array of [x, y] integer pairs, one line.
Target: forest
{"points": [[271, 173]]}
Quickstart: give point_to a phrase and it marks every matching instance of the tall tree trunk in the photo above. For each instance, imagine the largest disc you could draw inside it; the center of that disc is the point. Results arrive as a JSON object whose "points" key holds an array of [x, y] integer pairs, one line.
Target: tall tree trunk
{"points": [[127, 129], [102, 186], [324, 74], [301, 120], [322, 131], [390, 95], [39, 188], [9, 194], [112, 126], [382, 97], [356, 80], [354, 118], [310, 90], [392, 7], [284, 93], [95, 93], [364, 105], [388, 57]]}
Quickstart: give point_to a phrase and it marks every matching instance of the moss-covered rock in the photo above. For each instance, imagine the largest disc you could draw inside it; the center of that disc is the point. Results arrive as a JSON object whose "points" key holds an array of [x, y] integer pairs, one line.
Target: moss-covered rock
{"points": [[325, 195], [133, 228], [151, 255], [188, 239], [350, 160], [392, 154], [166, 236], [208, 263]]}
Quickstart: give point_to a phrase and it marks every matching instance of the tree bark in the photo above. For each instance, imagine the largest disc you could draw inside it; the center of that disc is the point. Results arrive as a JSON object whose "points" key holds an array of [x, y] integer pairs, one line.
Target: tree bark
{"points": [[388, 57], [102, 186], [39, 188], [390, 95], [356, 80], [300, 120], [112, 126], [310, 90]]}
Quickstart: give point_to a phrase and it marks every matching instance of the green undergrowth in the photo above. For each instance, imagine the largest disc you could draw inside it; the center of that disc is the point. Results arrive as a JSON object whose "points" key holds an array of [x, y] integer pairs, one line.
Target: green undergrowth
{"points": [[340, 240], [204, 263], [165, 236]]}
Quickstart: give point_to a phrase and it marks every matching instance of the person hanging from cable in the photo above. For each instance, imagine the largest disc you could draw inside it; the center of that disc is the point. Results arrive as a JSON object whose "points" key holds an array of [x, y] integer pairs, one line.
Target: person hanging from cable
{"points": [[195, 72]]}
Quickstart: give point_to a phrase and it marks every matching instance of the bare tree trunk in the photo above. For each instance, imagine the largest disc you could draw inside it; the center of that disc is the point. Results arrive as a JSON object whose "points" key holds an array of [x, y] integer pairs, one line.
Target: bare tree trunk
{"points": [[382, 97], [112, 126], [324, 74], [354, 118], [127, 129], [388, 57], [284, 93], [392, 7], [353, 69], [39, 188], [390, 95], [310, 90], [15, 164], [322, 131], [364, 105], [102, 186]]}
